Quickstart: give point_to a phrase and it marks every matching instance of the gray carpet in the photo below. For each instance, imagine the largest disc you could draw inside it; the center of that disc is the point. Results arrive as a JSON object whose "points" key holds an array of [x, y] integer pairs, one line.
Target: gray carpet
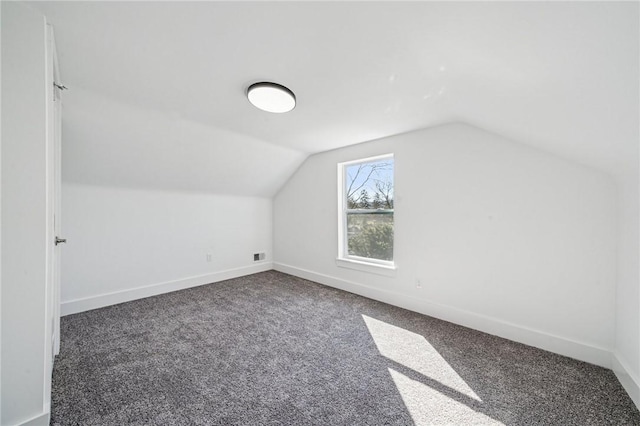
{"points": [[272, 349]]}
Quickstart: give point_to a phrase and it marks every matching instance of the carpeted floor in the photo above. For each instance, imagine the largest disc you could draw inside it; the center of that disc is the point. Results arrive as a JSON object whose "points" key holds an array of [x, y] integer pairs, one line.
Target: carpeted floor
{"points": [[272, 349]]}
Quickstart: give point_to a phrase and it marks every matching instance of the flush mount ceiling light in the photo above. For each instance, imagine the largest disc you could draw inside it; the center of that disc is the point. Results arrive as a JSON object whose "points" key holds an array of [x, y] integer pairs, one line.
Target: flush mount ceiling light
{"points": [[271, 97]]}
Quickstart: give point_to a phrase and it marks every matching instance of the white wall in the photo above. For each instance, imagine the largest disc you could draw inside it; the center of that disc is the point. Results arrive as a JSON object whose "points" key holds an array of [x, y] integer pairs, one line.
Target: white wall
{"points": [[504, 238], [24, 216], [627, 347], [0, 222], [130, 243]]}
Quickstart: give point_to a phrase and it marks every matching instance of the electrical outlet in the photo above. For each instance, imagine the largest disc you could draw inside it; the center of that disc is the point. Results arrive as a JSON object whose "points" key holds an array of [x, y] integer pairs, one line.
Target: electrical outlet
{"points": [[418, 283], [209, 257]]}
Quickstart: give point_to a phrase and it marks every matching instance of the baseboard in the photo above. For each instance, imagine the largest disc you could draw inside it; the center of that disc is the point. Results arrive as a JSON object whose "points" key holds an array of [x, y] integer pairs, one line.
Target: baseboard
{"points": [[39, 420], [556, 344], [85, 304], [628, 379]]}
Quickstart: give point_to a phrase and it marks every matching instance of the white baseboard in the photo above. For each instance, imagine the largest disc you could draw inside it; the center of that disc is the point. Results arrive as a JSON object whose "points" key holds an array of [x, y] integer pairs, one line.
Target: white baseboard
{"points": [[556, 344], [39, 420], [99, 301], [630, 382]]}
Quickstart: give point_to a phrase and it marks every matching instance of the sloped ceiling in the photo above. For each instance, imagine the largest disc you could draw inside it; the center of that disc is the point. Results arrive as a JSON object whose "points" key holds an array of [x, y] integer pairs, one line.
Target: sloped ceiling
{"points": [[157, 88]]}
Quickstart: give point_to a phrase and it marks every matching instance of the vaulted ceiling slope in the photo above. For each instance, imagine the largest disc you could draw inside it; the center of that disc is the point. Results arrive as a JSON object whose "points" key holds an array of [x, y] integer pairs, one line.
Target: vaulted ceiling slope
{"points": [[157, 88]]}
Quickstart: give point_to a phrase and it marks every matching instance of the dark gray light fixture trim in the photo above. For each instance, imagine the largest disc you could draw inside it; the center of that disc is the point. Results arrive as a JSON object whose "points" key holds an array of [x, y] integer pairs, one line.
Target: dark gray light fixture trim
{"points": [[271, 97]]}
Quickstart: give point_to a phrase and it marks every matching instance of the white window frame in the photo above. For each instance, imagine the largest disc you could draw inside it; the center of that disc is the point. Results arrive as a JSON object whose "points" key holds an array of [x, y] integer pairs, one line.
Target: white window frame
{"points": [[344, 259]]}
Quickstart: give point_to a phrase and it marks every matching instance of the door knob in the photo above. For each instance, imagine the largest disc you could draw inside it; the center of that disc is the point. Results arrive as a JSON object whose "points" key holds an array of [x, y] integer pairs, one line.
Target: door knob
{"points": [[60, 240]]}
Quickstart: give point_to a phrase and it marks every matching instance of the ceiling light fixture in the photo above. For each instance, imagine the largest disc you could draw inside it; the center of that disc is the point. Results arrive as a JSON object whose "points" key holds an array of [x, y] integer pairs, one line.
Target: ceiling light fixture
{"points": [[271, 97]]}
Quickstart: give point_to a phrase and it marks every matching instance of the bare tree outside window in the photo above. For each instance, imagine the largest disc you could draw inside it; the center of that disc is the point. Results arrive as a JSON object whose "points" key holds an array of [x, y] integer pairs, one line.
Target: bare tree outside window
{"points": [[369, 209]]}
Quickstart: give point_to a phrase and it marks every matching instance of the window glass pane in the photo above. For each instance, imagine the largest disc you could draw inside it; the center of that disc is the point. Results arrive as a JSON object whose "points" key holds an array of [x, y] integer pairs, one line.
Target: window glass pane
{"points": [[370, 235], [370, 185]]}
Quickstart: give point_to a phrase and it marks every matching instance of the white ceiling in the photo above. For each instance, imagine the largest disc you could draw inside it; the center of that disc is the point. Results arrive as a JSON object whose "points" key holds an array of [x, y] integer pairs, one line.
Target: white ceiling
{"points": [[157, 88]]}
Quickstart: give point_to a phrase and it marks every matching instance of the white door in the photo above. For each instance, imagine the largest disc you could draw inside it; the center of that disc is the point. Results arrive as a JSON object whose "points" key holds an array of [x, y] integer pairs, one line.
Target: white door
{"points": [[54, 131], [52, 281], [57, 208]]}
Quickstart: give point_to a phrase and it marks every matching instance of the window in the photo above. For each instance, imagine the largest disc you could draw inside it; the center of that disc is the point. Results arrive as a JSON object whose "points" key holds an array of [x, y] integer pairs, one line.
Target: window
{"points": [[366, 212]]}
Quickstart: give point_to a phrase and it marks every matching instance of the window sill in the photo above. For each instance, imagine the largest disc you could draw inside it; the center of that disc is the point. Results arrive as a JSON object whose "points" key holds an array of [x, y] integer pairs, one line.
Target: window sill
{"points": [[373, 268]]}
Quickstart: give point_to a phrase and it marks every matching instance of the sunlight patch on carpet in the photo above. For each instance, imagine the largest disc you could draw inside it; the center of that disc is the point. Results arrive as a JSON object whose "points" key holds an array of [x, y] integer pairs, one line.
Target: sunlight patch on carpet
{"points": [[431, 389], [413, 351], [427, 406]]}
